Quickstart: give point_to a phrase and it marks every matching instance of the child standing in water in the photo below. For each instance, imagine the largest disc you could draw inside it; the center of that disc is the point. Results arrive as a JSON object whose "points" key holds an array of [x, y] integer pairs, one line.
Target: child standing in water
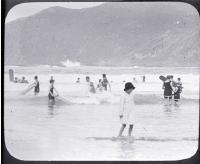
{"points": [[52, 94], [36, 85], [178, 91], [126, 113]]}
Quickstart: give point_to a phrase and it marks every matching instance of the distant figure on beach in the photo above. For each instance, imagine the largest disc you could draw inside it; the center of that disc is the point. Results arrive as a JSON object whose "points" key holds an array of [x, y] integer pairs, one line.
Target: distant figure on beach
{"points": [[51, 79], [23, 80], [36, 85], [90, 85], [167, 86], [11, 74], [78, 80], [100, 86], [105, 83], [52, 91], [134, 80], [16, 80], [143, 78], [178, 90], [127, 104]]}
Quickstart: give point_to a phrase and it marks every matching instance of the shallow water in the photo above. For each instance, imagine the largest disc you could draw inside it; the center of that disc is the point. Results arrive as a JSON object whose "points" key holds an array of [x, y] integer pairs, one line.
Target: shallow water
{"points": [[80, 127], [68, 132]]}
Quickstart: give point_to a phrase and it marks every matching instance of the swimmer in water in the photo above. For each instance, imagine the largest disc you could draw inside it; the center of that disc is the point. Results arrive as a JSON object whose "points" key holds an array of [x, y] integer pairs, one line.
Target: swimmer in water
{"points": [[78, 80], [178, 91], [24, 80], [36, 85], [51, 79], [90, 85], [52, 92], [167, 86], [105, 83], [99, 86]]}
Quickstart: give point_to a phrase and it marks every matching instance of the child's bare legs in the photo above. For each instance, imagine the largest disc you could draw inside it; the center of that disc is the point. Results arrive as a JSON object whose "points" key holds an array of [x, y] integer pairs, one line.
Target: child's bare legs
{"points": [[121, 130], [130, 130]]}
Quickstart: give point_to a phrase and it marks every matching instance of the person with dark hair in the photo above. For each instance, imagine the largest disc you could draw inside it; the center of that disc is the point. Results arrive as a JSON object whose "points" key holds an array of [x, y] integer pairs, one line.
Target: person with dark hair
{"points": [[99, 85], [78, 80], [51, 79], [105, 83], [178, 90], [167, 86], [36, 85], [127, 104], [24, 80], [52, 91], [16, 80], [90, 85]]}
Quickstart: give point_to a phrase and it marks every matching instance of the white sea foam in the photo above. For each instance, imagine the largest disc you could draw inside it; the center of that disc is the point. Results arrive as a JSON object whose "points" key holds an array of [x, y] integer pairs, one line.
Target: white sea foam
{"points": [[69, 63]]}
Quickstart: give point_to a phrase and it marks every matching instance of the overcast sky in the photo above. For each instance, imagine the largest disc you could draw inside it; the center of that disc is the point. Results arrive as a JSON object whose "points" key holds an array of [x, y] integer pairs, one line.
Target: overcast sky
{"points": [[27, 9]]}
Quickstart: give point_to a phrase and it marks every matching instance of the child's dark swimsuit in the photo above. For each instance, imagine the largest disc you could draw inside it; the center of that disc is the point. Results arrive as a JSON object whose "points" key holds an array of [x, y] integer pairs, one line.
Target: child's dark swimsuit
{"points": [[37, 88], [167, 90], [50, 96], [177, 93]]}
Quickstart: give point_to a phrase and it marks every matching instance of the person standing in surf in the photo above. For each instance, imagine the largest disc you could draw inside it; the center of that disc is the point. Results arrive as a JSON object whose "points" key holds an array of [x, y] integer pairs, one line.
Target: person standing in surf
{"points": [[51, 79], [90, 85], [126, 113], [167, 86], [24, 80], [36, 85], [143, 78], [105, 83], [178, 91], [52, 91], [99, 86], [78, 80]]}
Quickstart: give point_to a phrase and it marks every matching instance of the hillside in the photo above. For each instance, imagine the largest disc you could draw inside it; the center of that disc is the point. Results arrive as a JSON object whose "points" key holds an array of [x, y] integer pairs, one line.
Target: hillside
{"points": [[112, 34]]}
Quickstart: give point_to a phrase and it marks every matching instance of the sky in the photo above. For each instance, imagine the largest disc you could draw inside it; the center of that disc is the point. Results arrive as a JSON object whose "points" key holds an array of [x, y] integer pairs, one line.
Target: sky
{"points": [[28, 9]]}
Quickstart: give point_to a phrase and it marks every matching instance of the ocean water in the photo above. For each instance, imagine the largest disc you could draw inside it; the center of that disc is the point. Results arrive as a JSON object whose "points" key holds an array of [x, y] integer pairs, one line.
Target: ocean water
{"points": [[81, 126]]}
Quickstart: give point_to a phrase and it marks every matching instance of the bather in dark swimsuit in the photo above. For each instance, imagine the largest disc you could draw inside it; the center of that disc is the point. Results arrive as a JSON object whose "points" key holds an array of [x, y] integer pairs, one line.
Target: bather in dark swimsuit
{"points": [[50, 96], [37, 87], [167, 90]]}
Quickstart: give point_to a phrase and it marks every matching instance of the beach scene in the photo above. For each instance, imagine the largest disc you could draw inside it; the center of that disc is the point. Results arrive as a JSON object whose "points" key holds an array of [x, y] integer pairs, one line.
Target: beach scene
{"points": [[63, 86]]}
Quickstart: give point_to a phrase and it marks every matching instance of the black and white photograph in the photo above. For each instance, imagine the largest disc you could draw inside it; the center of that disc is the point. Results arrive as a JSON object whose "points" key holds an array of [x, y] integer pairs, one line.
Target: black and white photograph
{"points": [[102, 81]]}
